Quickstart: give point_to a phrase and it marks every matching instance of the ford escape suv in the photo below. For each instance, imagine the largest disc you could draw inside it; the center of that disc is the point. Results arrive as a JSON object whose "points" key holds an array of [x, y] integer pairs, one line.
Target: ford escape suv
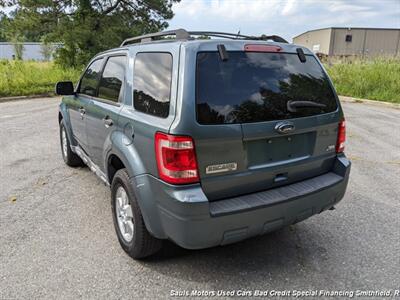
{"points": [[206, 142]]}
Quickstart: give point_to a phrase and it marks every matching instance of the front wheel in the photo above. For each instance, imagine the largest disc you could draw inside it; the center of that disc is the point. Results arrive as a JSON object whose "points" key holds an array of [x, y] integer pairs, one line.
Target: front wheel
{"points": [[128, 220]]}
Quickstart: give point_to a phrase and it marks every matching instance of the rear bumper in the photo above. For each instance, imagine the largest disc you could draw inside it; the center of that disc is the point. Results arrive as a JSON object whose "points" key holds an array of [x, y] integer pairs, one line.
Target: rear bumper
{"points": [[184, 215]]}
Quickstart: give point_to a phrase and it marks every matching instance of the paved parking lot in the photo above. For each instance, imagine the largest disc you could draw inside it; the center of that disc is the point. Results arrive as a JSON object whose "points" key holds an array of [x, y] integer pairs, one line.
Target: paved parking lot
{"points": [[57, 238]]}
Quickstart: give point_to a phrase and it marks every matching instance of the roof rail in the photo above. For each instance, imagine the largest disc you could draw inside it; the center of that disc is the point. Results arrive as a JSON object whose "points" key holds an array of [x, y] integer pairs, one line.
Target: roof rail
{"points": [[222, 34], [182, 34], [237, 36]]}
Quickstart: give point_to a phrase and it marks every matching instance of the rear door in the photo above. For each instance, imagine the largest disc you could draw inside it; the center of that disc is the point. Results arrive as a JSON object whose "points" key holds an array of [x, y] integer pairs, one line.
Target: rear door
{"points": [[287, 113], [77, 107], [102, 112]]}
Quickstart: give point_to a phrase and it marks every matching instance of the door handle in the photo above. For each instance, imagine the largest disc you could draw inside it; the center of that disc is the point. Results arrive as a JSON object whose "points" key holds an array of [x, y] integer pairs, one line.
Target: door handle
{"points": [[107, 121], [82, 111]]}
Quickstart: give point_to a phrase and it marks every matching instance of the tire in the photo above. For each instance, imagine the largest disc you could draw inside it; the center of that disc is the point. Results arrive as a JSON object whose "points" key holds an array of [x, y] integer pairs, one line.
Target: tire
{"points": [[140, 243], [69, 157]]}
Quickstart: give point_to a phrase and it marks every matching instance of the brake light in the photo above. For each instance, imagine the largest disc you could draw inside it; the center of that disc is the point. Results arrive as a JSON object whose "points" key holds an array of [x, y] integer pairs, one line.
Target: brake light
{"points": [[261, 48], [176, 158], [341, 137]]}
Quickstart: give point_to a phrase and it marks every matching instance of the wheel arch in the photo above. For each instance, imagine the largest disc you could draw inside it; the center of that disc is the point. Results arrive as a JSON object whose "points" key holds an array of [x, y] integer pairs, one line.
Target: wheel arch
{"points": [[114, 163], [122, 152], [60, 117], [63, 116], [119, 159]]}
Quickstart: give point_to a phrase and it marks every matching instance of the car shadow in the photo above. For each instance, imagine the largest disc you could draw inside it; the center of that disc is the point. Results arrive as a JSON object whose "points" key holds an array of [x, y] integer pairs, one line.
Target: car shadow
{"points": [[286, 251]]}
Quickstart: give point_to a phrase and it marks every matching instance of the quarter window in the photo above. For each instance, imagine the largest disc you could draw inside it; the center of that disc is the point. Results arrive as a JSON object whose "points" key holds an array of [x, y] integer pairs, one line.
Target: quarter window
{"points": [[152, 83], [90, 79], [112, 78]]}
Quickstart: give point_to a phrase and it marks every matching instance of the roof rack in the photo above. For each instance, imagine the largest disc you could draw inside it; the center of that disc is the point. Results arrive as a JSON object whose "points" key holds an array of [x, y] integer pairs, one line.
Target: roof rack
{"points": [[237, 36], [182, 34]]}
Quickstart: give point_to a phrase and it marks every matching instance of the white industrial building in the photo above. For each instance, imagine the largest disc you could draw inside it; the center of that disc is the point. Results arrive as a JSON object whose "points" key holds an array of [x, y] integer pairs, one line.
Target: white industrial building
{"points": [[347, 41], [31, 50]]}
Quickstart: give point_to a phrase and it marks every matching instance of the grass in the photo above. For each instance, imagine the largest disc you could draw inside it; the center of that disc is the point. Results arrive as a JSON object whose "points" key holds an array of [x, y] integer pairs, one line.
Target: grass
{"points": [[376, 79], [20, 78]]}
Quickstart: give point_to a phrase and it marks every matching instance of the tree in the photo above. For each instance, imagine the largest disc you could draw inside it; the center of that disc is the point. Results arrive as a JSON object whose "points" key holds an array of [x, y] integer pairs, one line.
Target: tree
{"points": [[8, 35], [4, 21], [86, 27], [47, 50], [19, 48]]}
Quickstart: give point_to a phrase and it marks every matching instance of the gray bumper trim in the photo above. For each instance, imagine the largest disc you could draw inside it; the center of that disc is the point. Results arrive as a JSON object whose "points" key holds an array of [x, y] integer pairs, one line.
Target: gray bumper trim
{"points": [[273, 196]]}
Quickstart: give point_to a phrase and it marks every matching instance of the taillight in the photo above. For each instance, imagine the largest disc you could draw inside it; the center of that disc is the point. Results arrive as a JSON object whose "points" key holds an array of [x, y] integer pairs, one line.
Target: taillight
{"points": [[176, 158], [341, 137]]}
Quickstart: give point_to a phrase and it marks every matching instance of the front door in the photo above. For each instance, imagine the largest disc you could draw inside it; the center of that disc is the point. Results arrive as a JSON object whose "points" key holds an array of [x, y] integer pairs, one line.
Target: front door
{"points": [[77, 108], [79, 105]]}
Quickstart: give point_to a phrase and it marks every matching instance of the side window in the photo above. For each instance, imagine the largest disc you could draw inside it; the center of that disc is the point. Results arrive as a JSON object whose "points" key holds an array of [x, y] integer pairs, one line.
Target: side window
{"points": [[90, 79], [152, 83], [112, 78]]}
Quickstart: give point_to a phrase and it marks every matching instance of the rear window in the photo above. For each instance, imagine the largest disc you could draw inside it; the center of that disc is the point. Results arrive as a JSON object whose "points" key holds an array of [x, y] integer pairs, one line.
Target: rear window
{"points": [[257, 87]]}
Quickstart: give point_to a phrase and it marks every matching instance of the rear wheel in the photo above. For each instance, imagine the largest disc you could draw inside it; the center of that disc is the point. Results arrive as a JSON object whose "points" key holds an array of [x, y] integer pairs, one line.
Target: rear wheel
{"points": [[128, 220], [70, 158]]}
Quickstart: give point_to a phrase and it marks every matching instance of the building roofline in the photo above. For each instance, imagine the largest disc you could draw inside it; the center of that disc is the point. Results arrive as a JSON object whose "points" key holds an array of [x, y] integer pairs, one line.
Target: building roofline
{"points": [[349, 27]]}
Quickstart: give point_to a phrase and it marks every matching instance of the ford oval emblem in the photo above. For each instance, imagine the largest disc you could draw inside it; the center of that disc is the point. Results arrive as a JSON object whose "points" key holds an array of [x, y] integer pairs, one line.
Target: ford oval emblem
{"points": [[284, 127]]}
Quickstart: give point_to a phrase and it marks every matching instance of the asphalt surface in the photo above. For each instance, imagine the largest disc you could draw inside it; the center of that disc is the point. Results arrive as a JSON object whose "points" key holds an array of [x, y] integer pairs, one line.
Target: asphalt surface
{"points": [[57, 238]]}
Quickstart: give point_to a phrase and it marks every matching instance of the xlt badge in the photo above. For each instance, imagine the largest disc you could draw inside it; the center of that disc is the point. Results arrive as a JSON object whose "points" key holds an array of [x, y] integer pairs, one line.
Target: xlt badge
{"points": [[221, 168]]}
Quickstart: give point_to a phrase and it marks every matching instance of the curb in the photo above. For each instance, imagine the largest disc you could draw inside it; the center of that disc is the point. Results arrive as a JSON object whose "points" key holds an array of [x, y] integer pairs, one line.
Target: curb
{"points": [[18, 98], [372, 102]]}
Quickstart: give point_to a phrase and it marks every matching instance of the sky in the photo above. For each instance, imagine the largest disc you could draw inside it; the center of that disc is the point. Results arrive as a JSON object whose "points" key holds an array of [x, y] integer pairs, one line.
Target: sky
{"points": [[286, 18]]}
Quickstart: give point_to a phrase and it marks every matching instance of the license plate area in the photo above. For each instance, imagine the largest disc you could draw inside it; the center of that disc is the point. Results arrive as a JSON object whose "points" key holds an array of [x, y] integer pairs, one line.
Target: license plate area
{"points": [[279, 150]]}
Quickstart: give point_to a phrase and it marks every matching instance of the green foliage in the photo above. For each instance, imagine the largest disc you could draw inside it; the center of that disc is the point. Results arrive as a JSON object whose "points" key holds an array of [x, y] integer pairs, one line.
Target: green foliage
{"points": [[87, 27], [203, 37], [376, 79], [19, 78], [19, 48], [4, 21], [47, 50]]}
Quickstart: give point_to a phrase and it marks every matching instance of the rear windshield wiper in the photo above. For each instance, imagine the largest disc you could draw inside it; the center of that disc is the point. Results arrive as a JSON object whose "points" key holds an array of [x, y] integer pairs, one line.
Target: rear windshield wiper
{"points": [[292, 106]]}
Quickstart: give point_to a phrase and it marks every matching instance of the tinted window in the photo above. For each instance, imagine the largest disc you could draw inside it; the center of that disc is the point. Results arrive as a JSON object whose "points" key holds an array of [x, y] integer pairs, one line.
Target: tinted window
{"points": [[90, 79], [152, 83], [256, 87], [112, 78]]}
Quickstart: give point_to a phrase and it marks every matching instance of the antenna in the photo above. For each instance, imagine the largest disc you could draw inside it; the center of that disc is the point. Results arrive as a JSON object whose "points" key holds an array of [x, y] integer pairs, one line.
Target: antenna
{"points": [[237, 35]]}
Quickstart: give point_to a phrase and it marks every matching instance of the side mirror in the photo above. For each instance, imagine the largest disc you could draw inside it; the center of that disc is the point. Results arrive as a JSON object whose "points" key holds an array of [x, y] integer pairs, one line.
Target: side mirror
{"points": [[65, 88]]}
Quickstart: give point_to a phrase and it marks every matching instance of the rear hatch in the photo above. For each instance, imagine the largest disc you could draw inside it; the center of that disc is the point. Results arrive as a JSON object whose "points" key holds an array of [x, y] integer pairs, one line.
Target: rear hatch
{"points": [[267, 119]]}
